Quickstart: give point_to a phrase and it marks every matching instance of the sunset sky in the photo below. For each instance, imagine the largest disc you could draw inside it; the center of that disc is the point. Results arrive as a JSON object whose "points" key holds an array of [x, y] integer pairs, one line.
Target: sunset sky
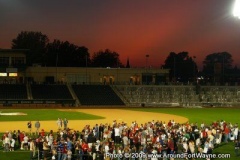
{"points": [[133, 28]]}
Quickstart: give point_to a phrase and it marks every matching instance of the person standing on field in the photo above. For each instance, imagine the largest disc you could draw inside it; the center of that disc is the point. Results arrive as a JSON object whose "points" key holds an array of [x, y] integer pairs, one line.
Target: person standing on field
{"points": [[37, 126], [65, 123], [59, 124], [29, 125]]}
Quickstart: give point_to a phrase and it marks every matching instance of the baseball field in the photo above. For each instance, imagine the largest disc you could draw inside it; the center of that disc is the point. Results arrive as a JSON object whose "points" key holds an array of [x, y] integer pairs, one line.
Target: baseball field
{"points": [[16, 119]]}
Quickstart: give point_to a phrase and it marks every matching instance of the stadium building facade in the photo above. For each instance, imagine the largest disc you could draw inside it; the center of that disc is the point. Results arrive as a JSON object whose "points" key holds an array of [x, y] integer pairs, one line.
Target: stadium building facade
{"points": [[15, 70]]}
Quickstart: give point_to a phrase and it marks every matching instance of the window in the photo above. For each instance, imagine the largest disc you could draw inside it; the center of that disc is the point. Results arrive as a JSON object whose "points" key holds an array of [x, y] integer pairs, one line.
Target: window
{"points": [[4, 60], [13, 74], [3, 74], [17, 60]]}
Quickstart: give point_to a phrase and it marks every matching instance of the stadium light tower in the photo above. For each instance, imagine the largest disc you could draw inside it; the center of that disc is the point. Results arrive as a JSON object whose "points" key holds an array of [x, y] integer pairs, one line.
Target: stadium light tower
{"points": [[236, 9]]}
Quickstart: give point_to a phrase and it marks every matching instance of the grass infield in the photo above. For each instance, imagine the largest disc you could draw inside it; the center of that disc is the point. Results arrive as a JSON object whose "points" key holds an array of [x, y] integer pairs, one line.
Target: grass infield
{"points": [[199, 115], [45, 115]]}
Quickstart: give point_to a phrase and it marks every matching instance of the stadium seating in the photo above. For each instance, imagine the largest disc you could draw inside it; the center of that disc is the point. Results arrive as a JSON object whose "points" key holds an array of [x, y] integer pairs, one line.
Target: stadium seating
{"points": [[96, 95], [182, 95], [135, 95], [50, 92], [159, 95], [220, 95], [13, 91]]}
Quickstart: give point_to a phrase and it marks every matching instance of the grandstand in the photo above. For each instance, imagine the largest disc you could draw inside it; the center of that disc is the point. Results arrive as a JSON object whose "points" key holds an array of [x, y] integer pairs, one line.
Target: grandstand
{"points": [[96, 95], [120, 95], [13, 91], [50, 92], [185, 96]]}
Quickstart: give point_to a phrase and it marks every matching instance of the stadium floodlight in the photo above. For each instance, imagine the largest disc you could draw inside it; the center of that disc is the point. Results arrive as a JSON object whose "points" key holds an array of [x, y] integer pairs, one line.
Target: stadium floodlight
{"points": [[236, 9]]}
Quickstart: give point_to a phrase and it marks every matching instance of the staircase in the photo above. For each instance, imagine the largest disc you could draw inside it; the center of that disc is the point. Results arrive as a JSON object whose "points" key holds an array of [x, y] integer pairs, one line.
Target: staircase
{"points": [[29, 92], [120, 95], [77, 102]]}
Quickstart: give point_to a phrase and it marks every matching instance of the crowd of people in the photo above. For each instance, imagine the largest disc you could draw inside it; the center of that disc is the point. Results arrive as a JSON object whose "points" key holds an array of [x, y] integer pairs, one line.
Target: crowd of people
{"points": [[119, 138]]}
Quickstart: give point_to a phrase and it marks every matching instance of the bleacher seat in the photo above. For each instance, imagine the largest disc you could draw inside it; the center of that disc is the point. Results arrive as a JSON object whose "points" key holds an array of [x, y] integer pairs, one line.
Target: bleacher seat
{"points": [[96, 95], [50, 92], [13, 91]]}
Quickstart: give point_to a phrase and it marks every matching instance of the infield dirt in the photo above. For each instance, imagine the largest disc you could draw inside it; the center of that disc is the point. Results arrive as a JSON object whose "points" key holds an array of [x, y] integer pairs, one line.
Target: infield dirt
{"points": [[120, 115]]}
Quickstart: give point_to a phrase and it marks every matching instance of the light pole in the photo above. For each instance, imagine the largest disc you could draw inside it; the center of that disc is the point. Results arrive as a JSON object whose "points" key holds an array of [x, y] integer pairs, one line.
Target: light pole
{"points": [[56, 67], [86, 68], [194, 69], [174, 69], [223, 68], [147, 56]]}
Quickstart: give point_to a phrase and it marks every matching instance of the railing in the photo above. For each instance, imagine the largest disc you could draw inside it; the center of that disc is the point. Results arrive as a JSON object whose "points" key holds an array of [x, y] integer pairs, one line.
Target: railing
{"points": [[15, 101]]}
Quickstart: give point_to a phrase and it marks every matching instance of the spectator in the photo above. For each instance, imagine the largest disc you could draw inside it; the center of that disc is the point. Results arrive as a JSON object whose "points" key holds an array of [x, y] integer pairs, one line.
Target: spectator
{"points": [[12, 144], [6, 142], [59, 123], [37, 126], [145, 138], [65, 123], [46, 149], [32, 148], [29, 126]]}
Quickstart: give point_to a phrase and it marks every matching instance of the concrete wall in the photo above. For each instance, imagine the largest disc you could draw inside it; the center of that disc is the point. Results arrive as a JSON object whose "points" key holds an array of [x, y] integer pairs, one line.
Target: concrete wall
{"points": [[92, 75]]}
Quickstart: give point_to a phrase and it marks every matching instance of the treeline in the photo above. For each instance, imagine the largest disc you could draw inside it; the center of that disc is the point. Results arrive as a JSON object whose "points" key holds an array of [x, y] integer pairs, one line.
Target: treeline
{"points": [[217, 67], [62, 53]]}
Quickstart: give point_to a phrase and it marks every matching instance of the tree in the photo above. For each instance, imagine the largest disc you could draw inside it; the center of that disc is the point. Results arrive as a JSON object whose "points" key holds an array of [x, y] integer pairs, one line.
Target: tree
{"points": [[36, 42], [217, 65], [83, 56], [66, 54], [106, 58], [182, 67]]}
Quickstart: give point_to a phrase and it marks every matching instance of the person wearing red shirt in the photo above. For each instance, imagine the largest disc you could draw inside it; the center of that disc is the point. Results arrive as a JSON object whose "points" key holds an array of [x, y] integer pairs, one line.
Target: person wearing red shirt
{"points": [[170, 146], [136, 128], [169, 123], [131, 136], [154, 139], [21, 137], [226, 134], [204, 135], [42, 133], [85, 148]]}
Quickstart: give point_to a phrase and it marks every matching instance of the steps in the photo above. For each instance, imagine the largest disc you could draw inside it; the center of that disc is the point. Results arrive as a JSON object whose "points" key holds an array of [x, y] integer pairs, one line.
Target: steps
{"points": [[77, 102]]}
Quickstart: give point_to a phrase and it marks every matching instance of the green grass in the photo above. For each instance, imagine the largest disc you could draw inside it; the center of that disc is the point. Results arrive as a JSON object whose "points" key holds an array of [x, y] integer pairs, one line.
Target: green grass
{"points": [[46, 114], [207, 115], [19, 155]]}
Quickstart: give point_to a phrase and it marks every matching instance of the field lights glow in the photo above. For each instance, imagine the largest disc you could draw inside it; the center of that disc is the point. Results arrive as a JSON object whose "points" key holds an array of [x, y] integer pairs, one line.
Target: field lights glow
{"points": [[236, 9]]}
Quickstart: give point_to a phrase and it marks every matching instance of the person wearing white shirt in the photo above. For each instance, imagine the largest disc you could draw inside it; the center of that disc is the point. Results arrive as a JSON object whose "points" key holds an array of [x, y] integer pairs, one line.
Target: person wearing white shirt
{"points": [[6, 143], [25, 142], [59, 123], [202, 125], [32, 148], [235, 132], [125, 141], [106, 151], [185, 146], [12, 144], [117, 135]]}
